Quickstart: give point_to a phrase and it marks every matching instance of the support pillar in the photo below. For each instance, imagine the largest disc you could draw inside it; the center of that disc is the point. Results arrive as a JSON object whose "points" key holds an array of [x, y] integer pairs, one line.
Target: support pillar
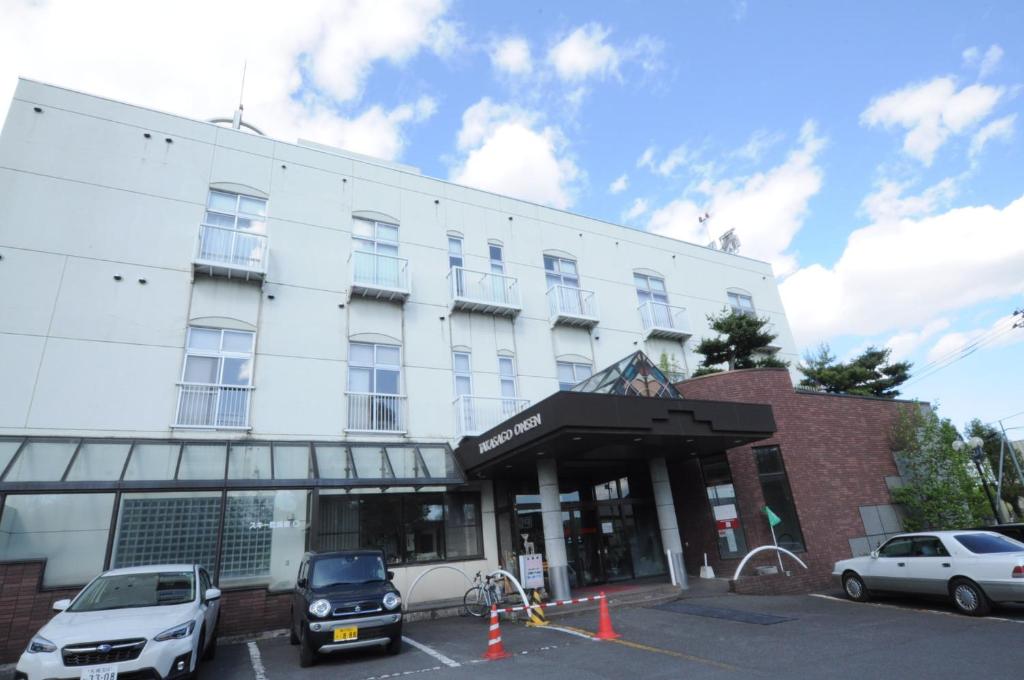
{"points": [[666, 507], [554, 539]]}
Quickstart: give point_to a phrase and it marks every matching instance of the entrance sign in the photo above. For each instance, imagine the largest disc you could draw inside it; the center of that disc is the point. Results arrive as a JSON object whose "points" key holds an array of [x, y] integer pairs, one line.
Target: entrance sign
{"points": [[531, 570], [506, 435]]}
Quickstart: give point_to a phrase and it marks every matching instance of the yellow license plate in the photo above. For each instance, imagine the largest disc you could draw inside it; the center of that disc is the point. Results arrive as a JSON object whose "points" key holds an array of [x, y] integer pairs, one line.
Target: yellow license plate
{"points": [[345, 634]]}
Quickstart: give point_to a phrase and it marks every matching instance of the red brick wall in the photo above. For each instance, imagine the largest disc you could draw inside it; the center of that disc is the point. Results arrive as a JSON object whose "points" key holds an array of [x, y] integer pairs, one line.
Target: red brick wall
{"points": [[837, 456], [25, 607]]}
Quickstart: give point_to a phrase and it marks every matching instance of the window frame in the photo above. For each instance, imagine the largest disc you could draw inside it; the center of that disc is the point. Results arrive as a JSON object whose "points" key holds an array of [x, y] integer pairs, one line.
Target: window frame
{"points": [[220, 355], [260, 219], [574, 366], [376, 242], [647, 293], [781, 476], [556, 271], [453, 255], [737, 304], [512, 378], [374, 367], [467, 374]]}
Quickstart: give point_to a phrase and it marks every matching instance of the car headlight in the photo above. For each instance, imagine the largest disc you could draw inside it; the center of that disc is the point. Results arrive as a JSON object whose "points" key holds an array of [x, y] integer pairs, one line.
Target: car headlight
{"points": [[39, 645], [320, 608], [177, 633], [392, 600]]}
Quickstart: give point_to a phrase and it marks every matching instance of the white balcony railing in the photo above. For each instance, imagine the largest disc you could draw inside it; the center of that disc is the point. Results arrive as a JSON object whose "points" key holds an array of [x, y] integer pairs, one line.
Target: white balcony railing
{"points": [[661, 320], [230, 252], [572, 306], [478, 291], [372, 412], [379, 276], [224, 407], [474, 415]]}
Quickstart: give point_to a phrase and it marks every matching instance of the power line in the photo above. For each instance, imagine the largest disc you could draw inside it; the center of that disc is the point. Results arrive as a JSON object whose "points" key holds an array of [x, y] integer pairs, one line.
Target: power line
{"points": [[962, 353]]}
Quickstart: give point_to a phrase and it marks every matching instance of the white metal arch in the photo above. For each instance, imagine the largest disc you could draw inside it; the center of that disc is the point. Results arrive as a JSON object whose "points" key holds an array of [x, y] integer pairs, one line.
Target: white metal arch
{"points": [[753, 552]]}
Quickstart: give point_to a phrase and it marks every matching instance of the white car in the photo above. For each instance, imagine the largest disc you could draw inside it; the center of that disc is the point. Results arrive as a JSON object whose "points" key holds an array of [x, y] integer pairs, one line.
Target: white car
{"points": [[142, 623], [973, 568]]}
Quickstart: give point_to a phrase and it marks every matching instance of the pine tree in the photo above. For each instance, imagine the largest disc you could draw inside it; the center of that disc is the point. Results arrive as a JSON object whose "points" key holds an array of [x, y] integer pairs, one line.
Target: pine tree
{"points": [[742, 343], [868, 374]]}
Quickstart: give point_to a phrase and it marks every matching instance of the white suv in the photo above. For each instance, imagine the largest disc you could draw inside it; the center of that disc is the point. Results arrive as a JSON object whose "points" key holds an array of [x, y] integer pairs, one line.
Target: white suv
{"points": [[143, 623]]}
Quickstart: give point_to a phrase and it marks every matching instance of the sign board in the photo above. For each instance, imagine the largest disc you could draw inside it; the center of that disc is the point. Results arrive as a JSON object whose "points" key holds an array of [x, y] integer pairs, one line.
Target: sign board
{"points": [[724, 524], [506, 435], [606, 528], [531, 570], [727, 511]]}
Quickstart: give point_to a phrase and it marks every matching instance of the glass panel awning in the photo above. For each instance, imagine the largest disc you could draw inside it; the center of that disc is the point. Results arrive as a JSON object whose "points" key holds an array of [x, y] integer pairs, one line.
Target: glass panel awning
{"points": [[636, 375]]}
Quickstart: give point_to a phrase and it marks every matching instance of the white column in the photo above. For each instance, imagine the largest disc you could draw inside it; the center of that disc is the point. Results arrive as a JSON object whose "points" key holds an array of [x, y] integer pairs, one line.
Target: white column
{"points": [[554, 540], [670, 540]]}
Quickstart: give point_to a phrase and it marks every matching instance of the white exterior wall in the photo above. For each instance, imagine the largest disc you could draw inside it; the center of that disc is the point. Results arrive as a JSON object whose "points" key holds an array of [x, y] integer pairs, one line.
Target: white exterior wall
{"points": [[84, 196]]}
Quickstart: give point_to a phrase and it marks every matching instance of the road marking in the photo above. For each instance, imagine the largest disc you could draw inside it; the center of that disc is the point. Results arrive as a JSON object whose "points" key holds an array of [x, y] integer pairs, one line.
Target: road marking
{"points": [[258, 671], [913, 609], [646, 648], [428, 650], [568, 630]]}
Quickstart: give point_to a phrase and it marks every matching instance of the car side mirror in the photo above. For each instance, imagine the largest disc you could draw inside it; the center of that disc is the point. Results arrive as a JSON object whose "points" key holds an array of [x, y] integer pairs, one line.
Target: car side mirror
{"points": [[61, 605], [391, 575], [212, 594], [874, 554], [301, 582]]}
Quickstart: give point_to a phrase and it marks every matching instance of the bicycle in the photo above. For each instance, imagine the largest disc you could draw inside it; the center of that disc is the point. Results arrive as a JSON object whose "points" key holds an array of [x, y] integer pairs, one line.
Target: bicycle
{"points": [[484, 593]]}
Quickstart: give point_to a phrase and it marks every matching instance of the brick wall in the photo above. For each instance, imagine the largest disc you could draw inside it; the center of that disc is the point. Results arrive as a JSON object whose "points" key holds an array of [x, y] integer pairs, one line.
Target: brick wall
{"points": [[837, 456], [25, 607]]}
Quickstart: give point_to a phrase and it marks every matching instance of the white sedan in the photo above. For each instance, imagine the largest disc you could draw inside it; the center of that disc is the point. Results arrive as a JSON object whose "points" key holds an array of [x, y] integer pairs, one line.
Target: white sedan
{"points": [[143, 622], [973, 568]]}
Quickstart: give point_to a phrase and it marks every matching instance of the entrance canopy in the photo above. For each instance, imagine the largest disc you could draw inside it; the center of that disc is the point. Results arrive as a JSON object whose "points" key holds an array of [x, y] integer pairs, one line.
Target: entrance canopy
{"points": [[616, 424]]}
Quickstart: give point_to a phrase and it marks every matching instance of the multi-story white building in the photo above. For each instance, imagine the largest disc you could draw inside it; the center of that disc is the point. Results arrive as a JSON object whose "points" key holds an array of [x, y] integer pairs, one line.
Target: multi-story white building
{"points": [[242, 347]]}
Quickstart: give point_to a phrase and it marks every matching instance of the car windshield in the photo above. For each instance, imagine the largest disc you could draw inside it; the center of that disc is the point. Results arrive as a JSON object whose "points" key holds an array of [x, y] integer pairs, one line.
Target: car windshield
{"points": [[983, 544], [347, 569], [123, 591]]}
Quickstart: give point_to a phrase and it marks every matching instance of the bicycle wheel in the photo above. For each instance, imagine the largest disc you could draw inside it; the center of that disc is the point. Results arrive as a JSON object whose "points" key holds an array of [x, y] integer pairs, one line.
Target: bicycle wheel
{"points": [[474, 602]]}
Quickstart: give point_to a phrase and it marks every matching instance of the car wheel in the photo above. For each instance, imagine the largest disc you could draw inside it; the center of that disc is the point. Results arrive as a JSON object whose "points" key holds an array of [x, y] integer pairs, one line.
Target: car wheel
{"points": [[853, 586], [969, 598], [307, 655], [394, 646]]}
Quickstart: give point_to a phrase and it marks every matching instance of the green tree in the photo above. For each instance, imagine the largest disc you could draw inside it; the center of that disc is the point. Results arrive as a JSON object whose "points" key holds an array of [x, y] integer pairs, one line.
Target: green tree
{"points": [[870, 373], [1013, 490], [940, 488], [742, 343]]}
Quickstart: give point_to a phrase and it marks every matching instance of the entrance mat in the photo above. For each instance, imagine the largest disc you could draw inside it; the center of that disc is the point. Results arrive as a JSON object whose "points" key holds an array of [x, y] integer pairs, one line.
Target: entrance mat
{"points": [[727, 614]]}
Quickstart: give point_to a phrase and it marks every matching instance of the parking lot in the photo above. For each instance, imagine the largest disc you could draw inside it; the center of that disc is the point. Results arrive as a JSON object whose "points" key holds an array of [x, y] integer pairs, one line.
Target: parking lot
{"points": [[796, 636]]}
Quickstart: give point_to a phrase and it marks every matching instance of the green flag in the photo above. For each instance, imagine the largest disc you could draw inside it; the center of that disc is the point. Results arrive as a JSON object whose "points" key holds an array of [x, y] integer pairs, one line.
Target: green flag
{"points": [[773, 519]]}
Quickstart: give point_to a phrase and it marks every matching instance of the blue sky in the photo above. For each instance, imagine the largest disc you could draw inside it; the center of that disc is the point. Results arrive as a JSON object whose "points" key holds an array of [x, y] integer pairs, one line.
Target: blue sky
{"points": [[871, 151]]}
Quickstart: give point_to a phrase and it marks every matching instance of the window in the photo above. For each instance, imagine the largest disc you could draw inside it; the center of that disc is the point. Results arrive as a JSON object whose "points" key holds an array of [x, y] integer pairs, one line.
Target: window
{"points": [[497, 258], [569, 374], [264, 536], [559, 271], [216, 377], [463, 374], [454, 251], [235, 211], [650, 289], [984, 544], [929, 546], [741, 303], [897, 547], [375, 237], [374, 369], [778, 496], [507, 376], [233, 229], [167, 528], [722, 497], [462, 535]]}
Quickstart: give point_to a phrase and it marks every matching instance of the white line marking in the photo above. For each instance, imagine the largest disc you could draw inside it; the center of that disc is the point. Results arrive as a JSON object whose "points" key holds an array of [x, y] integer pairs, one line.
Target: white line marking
{"points": [[913, 609], [552, 626], [427, 650], [256, 660]]}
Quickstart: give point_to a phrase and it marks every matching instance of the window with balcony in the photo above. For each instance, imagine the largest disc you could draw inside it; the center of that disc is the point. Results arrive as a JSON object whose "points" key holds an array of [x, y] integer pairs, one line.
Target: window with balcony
{"points": [[375, 402], [476, 414], [486, 290], [216, 379], [659, 318], [376, 268], [571, 373], [741, 303], [456, 265], [567, 302], [232, 236]]}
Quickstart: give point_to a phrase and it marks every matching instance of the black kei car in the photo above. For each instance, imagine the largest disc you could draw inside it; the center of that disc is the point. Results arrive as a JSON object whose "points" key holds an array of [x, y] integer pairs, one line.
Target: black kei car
{"points": [[344, 600]]}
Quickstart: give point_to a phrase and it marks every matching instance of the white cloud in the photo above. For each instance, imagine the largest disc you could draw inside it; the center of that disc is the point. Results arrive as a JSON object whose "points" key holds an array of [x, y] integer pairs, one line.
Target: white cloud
{"points": [[638, 208], [377, 132], [999, 334], [888, 203], [507, 150], [903, 344], [898, 275], [584, 53], [986, 64], [646, 159], [767, 209], [759, 142], [931, 112], [187, 56], [675, 158], [620, 184], [970, 55], [512, 56], [1001, 129]]}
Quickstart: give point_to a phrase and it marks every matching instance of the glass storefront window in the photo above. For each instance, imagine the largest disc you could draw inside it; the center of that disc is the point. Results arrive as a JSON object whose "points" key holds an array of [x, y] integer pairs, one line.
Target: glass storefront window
{"points": [[462, 526], [41, 461], [202, 461], [249, 461], [291, 461], [724, 509], [424, 528], [167, 528], [152, 461], [777, 495], [99, 461], [265, 534], [69, 531]]}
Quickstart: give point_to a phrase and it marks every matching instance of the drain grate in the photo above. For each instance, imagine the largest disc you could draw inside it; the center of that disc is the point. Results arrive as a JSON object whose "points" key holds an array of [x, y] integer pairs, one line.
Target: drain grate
{"points": [[727, 614]]}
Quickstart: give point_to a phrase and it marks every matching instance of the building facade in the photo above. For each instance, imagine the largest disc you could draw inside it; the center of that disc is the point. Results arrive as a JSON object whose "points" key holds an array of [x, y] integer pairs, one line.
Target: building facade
{"points": [[220, 347]]}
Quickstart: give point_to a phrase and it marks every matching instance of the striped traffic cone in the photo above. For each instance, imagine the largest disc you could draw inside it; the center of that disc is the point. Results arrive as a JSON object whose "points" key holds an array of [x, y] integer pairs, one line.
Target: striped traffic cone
{"points": [[604, 624], [495, 650], [537, 617]]}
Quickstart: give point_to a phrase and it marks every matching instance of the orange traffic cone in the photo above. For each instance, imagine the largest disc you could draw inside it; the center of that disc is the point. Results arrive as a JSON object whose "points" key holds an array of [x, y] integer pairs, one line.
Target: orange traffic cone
{"points": [[604, 625], [495, 650]]}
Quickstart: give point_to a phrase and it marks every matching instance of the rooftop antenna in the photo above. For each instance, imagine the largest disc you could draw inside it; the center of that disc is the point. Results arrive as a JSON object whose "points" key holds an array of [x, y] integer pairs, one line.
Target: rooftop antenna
{"points": [[236, 121], [703, 220]]}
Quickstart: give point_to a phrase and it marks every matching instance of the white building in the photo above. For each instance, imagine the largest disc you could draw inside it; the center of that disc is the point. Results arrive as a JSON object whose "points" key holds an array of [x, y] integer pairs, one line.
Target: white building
{"points": [[166, 280]]}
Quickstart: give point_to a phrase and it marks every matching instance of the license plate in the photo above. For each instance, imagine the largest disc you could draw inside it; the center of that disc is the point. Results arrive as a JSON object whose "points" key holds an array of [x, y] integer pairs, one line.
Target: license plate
{"points": [[340, 635], [99, 673]]}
